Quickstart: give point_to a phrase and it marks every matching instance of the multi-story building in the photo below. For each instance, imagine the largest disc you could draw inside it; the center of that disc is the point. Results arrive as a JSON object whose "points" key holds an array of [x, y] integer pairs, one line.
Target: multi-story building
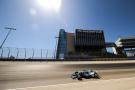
{"points": [[90, 41], [81, 44], [62, 44]]}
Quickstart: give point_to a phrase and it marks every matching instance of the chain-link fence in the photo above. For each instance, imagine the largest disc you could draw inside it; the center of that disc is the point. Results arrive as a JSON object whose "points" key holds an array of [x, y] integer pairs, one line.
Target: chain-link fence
{"points": [[25, 53]]}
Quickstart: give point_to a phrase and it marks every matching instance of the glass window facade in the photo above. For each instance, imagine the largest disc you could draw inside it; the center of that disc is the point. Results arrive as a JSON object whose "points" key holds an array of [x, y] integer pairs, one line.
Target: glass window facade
{"points": [[89, 40], [62, 45]]}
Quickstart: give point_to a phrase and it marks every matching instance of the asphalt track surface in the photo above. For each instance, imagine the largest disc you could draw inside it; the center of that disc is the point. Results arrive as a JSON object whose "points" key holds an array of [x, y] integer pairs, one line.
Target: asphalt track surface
{"points": [[31, 74]]}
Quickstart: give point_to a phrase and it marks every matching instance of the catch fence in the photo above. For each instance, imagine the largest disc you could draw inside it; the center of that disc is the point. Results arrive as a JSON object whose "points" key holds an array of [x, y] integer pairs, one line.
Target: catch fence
{"points": [[26, 53]]}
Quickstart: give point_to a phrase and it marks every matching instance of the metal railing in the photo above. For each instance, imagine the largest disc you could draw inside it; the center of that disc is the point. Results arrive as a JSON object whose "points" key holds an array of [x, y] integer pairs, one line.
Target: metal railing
{"points": [[26, 53]]}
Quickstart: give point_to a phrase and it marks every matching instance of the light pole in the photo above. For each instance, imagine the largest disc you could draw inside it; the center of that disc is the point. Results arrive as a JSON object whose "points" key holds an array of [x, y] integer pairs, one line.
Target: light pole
{"points": [[10, 29]]}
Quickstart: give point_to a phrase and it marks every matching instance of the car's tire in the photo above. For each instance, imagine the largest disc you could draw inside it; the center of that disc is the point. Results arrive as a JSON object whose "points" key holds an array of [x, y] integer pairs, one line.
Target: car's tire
{"points": [[80, 79], [73, 77], [97, 76]]}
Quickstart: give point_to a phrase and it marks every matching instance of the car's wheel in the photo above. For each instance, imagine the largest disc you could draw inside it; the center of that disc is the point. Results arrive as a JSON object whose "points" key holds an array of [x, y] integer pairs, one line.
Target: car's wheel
{"points": [[80, 79], [73, 77], [97, 76]]}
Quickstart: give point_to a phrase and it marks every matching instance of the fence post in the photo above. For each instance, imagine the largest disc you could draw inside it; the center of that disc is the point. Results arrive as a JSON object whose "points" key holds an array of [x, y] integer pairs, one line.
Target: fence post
{"points": [[1, 52], [41, 53], [32, 53], [25, 52], [46, 54], [8, 52], [17, 53]]}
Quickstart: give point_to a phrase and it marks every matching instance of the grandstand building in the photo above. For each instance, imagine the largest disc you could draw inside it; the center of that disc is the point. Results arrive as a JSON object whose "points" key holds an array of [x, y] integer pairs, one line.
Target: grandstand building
{"points": [[81, 44], [85, 44]]}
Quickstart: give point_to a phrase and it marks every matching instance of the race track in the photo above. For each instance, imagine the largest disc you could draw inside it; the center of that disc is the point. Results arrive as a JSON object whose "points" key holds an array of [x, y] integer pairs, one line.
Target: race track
{"points": [[31, 74]]}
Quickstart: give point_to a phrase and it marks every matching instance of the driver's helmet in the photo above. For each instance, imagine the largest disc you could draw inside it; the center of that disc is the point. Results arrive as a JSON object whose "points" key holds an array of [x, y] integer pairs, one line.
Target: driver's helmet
{"points": [[76, 72]]}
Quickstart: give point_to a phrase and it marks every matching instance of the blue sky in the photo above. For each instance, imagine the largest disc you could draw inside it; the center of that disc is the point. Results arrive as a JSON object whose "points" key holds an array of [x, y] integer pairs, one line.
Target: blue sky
{"points": [[37, 27]]}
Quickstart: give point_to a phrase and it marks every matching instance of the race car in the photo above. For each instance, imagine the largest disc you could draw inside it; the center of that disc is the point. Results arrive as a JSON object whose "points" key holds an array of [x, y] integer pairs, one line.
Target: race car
{"points": [[87, 74]]}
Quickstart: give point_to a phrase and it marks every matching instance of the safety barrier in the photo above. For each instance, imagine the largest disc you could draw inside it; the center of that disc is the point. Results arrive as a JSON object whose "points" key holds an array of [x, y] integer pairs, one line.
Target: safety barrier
{"points": [[26, 53]]}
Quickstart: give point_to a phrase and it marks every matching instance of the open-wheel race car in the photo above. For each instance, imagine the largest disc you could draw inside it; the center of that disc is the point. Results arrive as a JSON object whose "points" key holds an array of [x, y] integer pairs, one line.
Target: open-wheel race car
{"points": [[87, 74]]}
